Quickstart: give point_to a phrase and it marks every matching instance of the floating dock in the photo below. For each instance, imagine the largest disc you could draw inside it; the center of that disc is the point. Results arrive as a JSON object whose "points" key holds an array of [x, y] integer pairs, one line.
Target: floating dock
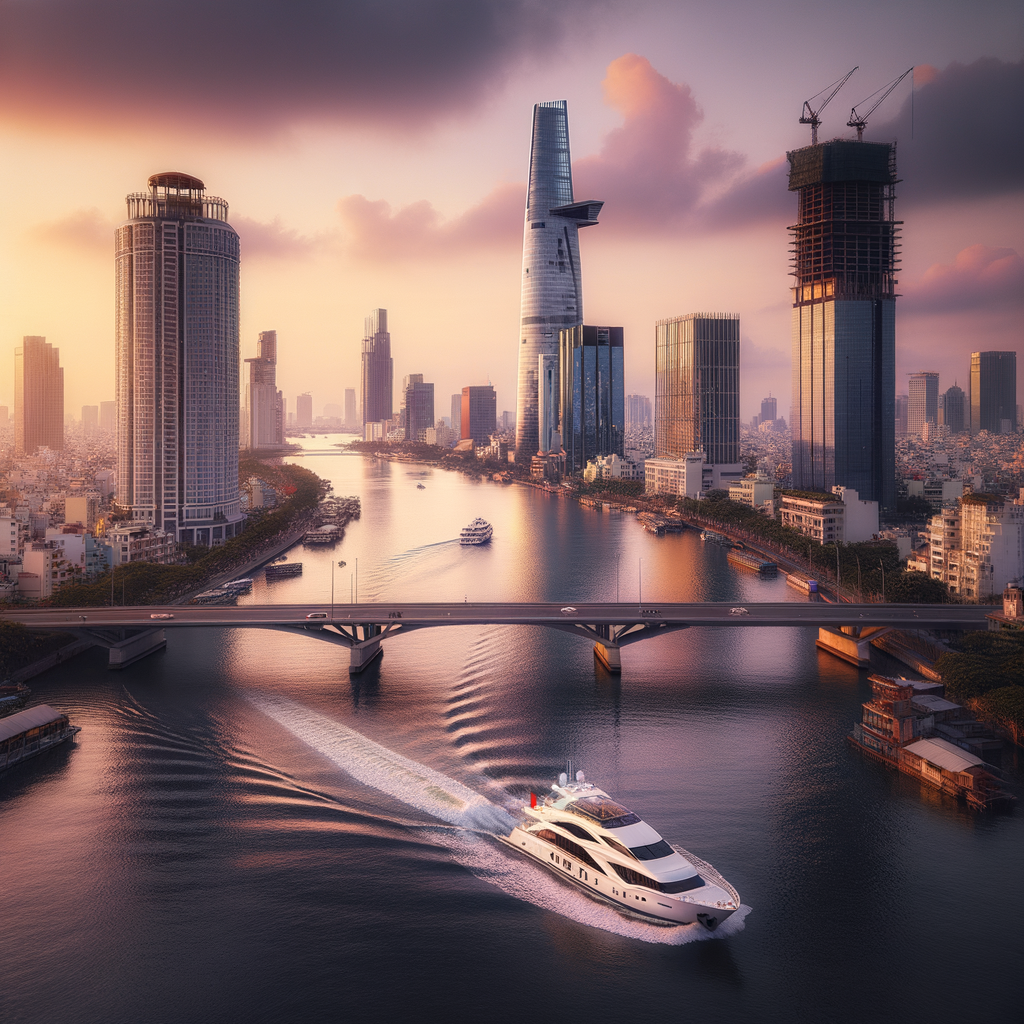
{"points": [[748, 560]]}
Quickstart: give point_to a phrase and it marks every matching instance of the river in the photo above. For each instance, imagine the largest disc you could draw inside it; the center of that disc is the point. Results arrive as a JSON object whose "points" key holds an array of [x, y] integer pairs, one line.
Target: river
{"points": [[243, 833]]}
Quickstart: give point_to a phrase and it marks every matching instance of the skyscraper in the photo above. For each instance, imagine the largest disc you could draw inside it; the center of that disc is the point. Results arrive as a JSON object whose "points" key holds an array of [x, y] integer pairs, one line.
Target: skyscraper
{"points": [[304, 411], [479, 415], [457, 414], [902, 414], [924, 401], [844, 318], [994, 392], [108, 417], [264, 403], [697, 387], [552, 293], [592, 406], [418, 403], [90, 419], [177, 361], [638, 412], [769, 408], [549, 438], [954, 406], [378, 369], [351, 415], [38, 397]]}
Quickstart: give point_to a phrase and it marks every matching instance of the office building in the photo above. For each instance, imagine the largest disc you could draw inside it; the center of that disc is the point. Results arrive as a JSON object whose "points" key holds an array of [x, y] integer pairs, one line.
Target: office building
{"points": [[638, 412], [304, 411], [592, 407], [264, 403], [108, 417], [697, 387], [994, 392], [924, 401], [418, 402], [479, 414], [38, 397], [90, 419], [953, 411], [552, 293], [902, 414], [177, 362], [769, 409], [351, 412], [457, 414], [844, 319], [378, 369], [549, 440]]}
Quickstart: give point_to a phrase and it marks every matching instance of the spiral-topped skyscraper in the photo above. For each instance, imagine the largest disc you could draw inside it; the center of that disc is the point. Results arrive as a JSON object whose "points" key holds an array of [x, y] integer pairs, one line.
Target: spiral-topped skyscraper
{"points": [[552, 290]]}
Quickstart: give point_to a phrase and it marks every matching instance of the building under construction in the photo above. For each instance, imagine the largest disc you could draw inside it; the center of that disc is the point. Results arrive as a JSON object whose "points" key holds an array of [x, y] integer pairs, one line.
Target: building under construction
{"points": [[845, 245]]}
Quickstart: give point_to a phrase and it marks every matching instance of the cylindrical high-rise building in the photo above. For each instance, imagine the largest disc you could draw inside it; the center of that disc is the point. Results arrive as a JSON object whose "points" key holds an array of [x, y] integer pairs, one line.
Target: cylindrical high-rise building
{"points": [[552, 291], [178, 361]]}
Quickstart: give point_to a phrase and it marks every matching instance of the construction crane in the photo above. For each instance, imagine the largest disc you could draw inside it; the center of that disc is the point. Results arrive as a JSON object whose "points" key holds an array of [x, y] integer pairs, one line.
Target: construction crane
{"points": [[810, 114], [859, 121]]}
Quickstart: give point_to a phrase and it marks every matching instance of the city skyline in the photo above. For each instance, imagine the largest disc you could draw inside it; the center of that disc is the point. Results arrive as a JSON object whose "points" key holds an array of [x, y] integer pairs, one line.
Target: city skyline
{"points": [[690, 167]]}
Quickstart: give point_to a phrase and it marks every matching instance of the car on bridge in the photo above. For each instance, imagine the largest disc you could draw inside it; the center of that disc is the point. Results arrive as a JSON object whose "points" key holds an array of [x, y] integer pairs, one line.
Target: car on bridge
{"points": [[161, 615], [738, 611], [568, 610], [317, 615]]}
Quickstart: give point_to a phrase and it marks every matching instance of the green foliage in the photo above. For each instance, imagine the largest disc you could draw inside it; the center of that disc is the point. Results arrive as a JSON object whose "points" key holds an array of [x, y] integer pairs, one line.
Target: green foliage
{"points": [[20, 647], [1005, 705], [914, 507], [611, 488], [982, 662]]}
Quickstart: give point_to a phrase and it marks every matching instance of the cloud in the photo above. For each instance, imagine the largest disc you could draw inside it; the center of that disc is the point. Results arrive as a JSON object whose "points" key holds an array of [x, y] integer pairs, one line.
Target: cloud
{"points": [[964, 142], [85, 230], [249, 66], [274, 241], [980, 278]]}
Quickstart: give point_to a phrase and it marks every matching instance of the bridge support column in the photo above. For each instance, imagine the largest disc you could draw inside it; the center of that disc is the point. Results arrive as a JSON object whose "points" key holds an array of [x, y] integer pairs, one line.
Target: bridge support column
{"points": [[854, 649], [363, 655], [608, 655], [135, 647]]}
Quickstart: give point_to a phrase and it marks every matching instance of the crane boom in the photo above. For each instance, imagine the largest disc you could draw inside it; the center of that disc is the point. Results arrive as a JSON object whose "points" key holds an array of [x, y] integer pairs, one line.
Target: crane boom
{"points": [[811, 115], [859, 121]]}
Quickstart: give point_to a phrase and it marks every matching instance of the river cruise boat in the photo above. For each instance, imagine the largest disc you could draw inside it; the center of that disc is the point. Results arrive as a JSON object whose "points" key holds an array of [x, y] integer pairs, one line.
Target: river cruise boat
{"points": [[478, 532], [32, 731], [583, 835]]}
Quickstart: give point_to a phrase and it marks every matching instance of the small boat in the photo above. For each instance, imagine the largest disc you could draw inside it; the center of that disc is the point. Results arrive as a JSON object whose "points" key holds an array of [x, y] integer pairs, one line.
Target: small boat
{"points": [[421, 487], [584, 836], [478, 532]]}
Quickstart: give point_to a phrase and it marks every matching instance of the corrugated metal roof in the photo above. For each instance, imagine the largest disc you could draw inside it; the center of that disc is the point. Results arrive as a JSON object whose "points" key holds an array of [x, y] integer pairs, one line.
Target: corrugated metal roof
{"points": [[943, 754], [30, 718], [929, 702]]}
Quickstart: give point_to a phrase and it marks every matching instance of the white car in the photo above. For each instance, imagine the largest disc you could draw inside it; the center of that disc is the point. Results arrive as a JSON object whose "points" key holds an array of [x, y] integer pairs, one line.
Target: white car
{"points": [[738, 611], [568, 610], [161, 615], [317, 615]]}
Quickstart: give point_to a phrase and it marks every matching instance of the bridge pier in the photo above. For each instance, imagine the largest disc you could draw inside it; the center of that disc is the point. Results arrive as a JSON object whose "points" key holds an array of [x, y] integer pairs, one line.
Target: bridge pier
{"points": [[134, 648], [854, 649], [361, 656], [609, 655]]}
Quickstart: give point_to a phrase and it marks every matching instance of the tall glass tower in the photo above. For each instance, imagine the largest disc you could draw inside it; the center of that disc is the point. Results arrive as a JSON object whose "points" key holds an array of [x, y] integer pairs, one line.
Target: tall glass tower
{"points": [[552, 292], [378, 369], [844, 318], [176, 267], [994, 392]]}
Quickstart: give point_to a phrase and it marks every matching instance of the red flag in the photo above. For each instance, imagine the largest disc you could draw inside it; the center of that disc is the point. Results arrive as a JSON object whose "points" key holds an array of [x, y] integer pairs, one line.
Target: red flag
{"points": [[533, 799]]}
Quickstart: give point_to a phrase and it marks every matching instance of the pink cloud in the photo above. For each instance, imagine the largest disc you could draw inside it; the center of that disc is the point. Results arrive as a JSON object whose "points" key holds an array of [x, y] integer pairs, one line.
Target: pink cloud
{"points": [[84, 230], [981, 277], [274, 241]]}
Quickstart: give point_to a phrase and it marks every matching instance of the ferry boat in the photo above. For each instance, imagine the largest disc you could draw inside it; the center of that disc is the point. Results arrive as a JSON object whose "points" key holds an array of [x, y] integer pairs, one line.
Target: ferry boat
{"points": [[580, 833], [31, 732], [478, 532]]}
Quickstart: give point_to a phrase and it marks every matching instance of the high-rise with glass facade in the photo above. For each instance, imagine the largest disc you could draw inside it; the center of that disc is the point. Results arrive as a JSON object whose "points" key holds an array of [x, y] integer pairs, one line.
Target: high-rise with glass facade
{"points": [[924, 401], [844, 318], [547, 404], [264, 403], [417, 406], [638, 412], [38, 397], [593, 396], [953, 410], [697, 387], [177, 361], [378, 369], [478, 417], [552, 292], [994, 392]]}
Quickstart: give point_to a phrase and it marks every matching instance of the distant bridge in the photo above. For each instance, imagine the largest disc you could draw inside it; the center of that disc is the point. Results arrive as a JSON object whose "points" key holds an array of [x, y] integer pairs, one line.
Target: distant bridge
{"points": [[133, 632]]}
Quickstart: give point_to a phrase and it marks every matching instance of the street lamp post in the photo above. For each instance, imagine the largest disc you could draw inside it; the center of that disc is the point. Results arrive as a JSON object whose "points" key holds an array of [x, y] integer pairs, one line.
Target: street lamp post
{"points": [[882, 566]]}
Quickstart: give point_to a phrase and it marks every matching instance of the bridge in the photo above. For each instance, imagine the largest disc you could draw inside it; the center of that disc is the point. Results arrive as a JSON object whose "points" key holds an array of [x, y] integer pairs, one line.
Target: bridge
{"points": [[131, 633]]}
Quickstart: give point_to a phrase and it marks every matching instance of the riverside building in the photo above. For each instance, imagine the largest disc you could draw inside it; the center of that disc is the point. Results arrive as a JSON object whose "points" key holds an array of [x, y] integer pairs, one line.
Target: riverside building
{"points": [[177, 362], [844, 318], [264, 403], [592, 404], [552, 291], [38, 397], [378, 369]]}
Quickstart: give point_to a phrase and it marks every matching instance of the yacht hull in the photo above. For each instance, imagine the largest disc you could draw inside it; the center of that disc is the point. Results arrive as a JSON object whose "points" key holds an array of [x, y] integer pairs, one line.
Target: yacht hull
{"points": [[670, 910]]}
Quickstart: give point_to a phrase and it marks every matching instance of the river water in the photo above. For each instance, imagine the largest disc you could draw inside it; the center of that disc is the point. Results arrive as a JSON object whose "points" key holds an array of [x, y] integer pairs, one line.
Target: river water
{"points": [[243, 833]]}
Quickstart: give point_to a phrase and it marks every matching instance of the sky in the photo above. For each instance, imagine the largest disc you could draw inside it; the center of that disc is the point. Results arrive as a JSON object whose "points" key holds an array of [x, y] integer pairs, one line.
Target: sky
{"points": [[374, 154]]}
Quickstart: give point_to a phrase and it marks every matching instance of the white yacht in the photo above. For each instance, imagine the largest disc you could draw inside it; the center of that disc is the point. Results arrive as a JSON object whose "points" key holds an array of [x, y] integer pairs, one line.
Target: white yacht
{"points": [[583, 835], [478, 532]]}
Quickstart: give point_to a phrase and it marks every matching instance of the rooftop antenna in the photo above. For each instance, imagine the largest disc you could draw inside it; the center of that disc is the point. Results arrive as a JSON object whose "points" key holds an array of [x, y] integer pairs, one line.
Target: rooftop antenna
{"points": [[859, 121], [811, 114]]}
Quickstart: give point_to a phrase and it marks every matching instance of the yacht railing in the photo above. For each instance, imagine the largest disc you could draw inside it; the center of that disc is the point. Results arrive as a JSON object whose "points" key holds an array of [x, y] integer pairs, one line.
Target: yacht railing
{"points": [[708, 873]]}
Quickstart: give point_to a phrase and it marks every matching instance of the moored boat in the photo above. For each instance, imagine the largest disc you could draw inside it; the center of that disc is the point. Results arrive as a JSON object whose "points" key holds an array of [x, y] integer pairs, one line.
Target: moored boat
{"points": [[32, 731], [581, 834]]}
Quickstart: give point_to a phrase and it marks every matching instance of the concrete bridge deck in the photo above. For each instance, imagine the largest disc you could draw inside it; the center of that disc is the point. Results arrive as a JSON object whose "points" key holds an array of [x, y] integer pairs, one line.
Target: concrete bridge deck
{"points": [[133, 632]]}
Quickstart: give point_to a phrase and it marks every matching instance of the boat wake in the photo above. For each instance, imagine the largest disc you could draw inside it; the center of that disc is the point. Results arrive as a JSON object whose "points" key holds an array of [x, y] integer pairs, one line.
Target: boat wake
{"points": [[478, 823]]}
